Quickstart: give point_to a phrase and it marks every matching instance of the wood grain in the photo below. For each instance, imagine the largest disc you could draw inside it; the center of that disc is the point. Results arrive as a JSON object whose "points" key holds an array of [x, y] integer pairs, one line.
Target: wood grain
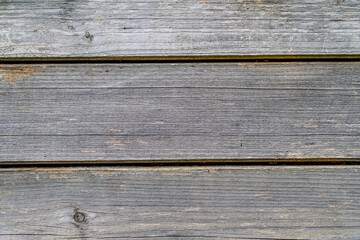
{"points": [[181, 203], [92, 28], [189, 111]]}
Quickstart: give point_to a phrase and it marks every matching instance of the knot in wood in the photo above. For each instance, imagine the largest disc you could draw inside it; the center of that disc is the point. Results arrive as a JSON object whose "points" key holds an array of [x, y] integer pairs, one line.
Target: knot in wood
{"points": [[79, 217]]}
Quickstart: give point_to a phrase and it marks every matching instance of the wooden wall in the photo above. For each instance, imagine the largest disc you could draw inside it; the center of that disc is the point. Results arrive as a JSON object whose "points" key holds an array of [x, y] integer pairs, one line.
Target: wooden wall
{"points": [[199, 119]]}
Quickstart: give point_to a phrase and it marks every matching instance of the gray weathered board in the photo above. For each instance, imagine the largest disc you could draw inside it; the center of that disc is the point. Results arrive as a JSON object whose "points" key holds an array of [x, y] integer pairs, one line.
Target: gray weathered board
{"points": [[188, 111], [299, 203], [77, 28]]}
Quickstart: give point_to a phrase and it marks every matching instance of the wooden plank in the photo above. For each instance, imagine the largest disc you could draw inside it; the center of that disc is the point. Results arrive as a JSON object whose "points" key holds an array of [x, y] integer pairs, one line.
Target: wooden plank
{"points": [[189, 111], [313, 202], [62, 28]]}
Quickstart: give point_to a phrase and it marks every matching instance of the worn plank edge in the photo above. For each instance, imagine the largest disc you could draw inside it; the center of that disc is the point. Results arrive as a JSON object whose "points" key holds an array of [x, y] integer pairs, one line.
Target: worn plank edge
{"points": [[123, 59]]}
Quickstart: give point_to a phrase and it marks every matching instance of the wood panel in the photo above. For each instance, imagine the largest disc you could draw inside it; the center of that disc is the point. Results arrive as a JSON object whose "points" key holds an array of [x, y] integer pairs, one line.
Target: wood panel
{"points": [[190, 111], [63, 28], [181, 203]]}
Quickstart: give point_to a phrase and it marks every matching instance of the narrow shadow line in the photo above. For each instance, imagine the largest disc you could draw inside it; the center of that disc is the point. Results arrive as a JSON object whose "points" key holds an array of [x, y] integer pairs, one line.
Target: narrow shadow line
{"points": [[174, 59], [184, 163]]}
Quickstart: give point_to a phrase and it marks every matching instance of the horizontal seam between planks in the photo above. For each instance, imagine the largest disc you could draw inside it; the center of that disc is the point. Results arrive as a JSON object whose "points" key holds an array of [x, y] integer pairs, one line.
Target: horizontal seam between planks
{"points": [[174, 59], [186, 163]]}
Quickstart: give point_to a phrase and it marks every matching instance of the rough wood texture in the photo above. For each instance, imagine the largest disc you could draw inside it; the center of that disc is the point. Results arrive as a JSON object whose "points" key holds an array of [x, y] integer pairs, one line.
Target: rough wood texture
{"points": [[44, 28], [181, 203], [122, 112]]}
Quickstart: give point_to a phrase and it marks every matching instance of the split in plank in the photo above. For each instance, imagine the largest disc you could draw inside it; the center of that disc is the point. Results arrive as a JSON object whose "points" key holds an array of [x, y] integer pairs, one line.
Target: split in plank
{"points": [[189, 111], [61, 28]]}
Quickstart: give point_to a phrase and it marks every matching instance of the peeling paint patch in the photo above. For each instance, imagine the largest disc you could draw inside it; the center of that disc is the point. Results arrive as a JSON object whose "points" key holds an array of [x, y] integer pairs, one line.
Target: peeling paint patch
{"points": [[115, 144], [114, 130], [14, 74], [104, 172], [99, 21], [59, 176], [88, 150], [142, 142], [5, 192]]}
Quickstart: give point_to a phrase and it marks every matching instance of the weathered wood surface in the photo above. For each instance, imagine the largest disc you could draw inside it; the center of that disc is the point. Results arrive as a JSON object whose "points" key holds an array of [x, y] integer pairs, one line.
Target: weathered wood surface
{"points": [[44, 28], [181, 203], [124, 112]]}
